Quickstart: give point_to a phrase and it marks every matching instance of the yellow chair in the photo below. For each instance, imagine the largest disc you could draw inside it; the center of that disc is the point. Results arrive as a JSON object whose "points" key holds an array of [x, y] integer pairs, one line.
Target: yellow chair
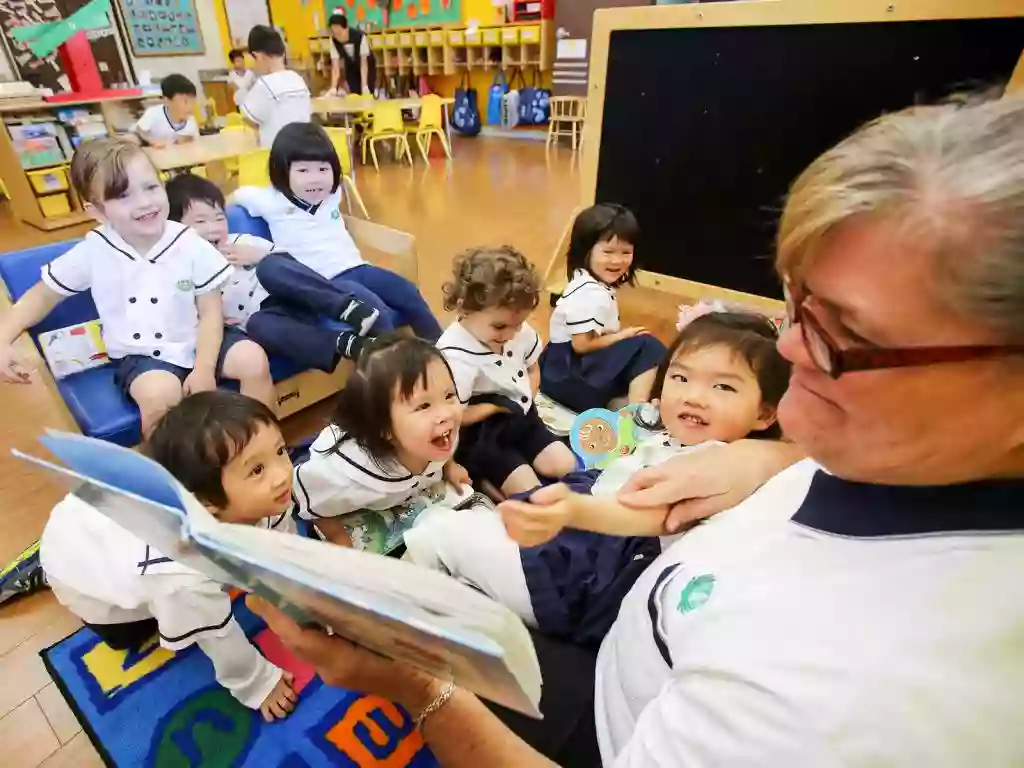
{"points": [[362, 118], [431, 124], [340, 139], [253, 168], [233, 120], [387, 126], [231, 163]]}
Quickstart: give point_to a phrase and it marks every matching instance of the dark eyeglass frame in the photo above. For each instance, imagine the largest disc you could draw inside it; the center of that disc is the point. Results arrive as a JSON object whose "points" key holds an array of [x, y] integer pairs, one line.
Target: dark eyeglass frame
{"points": [[834, 360]]}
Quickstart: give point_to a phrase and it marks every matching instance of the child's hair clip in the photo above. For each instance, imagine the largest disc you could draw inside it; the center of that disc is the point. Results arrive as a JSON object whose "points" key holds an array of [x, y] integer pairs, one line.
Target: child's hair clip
{"points": [[690, 312]]}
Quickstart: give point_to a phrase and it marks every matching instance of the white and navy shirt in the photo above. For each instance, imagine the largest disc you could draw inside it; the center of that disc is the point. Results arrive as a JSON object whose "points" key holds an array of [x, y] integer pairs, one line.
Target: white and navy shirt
{"points": [[479, 371], [157, 124], [350, 49], [586, 305], [243, 293], [146, 301], [241, 83], [340, 481], [274, 101], [106, 575], [824, 623], [314, 235]]}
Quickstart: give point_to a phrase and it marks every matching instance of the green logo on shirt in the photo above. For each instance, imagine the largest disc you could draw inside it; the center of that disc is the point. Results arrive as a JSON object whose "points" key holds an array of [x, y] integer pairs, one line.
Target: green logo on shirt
{"points": [[696, 592], [185, 285], [335, 214]]}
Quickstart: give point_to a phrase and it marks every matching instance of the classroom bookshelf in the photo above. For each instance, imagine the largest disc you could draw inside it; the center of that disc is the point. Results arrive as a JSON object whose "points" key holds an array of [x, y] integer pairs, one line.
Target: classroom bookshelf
{"points": [[36, 145]]}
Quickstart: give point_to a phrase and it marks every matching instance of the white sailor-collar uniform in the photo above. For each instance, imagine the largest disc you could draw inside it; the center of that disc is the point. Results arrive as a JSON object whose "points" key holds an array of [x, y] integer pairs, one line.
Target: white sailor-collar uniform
{"points": [[586, 305], [313, 235], [479, 371], [156, 122], [824, 622], [337, 482], [275, 100], [243, 293], [146, 302], [106, 575]]}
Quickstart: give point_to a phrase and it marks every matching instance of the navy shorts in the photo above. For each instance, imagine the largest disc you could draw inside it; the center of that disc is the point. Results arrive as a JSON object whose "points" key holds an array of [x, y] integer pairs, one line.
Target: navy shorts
{"points": [[496, 447], [131, 367]]}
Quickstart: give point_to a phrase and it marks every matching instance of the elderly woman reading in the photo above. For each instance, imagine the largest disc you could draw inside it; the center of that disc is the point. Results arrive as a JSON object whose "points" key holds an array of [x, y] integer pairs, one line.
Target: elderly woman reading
{"points": [[865, 606]]}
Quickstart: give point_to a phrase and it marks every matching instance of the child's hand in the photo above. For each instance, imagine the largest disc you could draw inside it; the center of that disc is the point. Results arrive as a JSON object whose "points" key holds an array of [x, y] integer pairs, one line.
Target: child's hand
{"points": [[455, 475], [548, 511], [198, 381], [156, 144], [15, 366], [281, 701], [628, 333], [242, 255]]}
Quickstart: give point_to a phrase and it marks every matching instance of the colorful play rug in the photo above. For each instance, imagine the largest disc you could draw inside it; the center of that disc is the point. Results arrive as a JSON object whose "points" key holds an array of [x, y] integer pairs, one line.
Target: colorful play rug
{"points": [[166, 710]]}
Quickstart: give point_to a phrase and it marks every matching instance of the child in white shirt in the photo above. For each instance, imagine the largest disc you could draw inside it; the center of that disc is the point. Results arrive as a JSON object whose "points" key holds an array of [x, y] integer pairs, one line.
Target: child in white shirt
{"points": [[156, 286], [299, 293], [173, 121], [302, 209], [392, 436], [227, 449], [721, 382], [591, 361], [279, 96], [493, 355], [240, 77]]}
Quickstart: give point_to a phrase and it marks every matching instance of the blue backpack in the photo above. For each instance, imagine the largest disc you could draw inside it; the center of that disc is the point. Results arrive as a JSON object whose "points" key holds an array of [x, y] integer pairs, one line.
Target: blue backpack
{"points": [[466, 114], [534, 104], [499, 87]]}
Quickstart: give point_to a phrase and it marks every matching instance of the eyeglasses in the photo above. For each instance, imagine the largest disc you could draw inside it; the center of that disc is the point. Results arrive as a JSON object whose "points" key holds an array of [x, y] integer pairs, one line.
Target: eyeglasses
{"points": [[828, 356]]}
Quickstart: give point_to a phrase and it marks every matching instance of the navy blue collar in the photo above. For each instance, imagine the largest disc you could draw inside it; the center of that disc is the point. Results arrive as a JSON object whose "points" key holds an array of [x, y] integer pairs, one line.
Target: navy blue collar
{"points": [[310, 208], [861, 510]]}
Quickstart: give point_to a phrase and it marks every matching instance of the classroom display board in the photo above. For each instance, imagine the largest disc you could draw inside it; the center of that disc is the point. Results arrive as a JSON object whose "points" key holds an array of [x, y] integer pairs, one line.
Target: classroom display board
{"points": [[163, 27], [704, 129], [403, 13]]}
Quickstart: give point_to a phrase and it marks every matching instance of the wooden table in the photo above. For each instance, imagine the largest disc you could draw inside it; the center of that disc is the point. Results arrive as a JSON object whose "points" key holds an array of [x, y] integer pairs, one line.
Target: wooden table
{"points": [[335, 105], [203, 150]]}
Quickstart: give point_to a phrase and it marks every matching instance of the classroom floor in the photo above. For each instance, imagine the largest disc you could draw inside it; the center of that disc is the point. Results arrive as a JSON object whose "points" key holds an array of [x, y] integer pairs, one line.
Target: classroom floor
{"points": [[494, 192]]}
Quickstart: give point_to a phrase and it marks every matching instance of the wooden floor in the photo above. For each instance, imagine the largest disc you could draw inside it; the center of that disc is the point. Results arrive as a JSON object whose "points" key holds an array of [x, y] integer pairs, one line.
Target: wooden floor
{"points": [[496, 191]]}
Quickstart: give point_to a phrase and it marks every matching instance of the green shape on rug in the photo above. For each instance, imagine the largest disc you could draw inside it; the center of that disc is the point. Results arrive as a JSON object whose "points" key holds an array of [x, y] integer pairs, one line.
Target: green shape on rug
{"points": [[211, 729]]}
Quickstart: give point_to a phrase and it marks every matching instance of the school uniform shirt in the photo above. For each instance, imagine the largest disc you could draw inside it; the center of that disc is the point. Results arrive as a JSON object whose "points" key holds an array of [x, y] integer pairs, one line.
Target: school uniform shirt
{"points": [[146, 301], [313, 235], [157, 124], [242, 291], [334, 483], [824, 623], [241, 83], [479, 371], [106, 575], [586, 305], [274, 101]]}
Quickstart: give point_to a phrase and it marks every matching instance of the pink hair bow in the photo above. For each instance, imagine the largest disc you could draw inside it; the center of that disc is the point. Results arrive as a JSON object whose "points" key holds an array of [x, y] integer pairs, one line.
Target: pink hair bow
{"points": [[690, 312]]}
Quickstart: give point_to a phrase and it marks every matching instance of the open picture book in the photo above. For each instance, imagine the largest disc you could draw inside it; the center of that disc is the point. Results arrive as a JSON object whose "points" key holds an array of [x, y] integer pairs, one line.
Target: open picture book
{"points": [[388, 606]]}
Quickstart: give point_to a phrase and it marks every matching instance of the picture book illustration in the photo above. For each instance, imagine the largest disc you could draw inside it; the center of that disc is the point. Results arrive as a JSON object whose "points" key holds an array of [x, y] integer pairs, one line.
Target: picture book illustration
{"points": [[74, 349]]}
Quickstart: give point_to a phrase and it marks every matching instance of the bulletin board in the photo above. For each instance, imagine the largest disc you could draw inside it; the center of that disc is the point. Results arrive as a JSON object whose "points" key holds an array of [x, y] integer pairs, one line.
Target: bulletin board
{"points": [[701, 116], [403, 13], [163, 27]]}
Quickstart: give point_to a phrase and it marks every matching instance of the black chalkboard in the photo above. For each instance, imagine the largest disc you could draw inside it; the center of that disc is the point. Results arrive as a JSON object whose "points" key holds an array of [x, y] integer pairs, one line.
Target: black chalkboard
{"points": [[704, 129]]}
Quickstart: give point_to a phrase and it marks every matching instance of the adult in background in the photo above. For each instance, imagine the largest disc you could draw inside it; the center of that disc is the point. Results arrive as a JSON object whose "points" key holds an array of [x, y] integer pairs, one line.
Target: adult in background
{"points": [[865, 606], [351, 48]]}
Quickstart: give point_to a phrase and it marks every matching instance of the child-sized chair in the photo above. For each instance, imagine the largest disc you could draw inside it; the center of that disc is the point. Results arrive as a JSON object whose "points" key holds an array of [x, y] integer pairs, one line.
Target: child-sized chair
{"points": [[431, 124], [253, 170], [387, 126], [568, 114], [233, 120], [340, 138]]}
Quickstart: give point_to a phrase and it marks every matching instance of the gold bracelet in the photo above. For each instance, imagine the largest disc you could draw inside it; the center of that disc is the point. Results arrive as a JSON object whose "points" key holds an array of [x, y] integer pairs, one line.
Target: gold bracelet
{"points": [[442, 699]]}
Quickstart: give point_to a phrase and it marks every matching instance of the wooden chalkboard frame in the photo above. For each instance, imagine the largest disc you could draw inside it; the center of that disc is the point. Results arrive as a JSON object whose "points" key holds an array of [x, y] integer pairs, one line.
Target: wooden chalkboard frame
{"points": [[736, 14], [126, 17]]}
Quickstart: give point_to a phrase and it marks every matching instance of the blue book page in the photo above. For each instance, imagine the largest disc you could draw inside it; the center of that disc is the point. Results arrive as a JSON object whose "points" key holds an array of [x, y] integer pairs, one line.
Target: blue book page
{"points": [[118, 467]]}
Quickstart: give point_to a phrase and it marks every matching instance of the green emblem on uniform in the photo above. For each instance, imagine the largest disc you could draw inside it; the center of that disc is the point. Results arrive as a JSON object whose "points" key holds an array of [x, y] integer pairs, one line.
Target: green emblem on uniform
{"points": [[185, 285], [335, 214], [696, 592]]}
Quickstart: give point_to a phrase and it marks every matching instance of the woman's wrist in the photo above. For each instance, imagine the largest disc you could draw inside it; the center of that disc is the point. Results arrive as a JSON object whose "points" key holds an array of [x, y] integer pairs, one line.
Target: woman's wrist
{"points": [[418, 691]]}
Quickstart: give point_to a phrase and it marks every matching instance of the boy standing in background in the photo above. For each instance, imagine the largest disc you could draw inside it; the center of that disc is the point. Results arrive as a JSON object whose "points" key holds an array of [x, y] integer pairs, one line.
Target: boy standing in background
{"points": [[279, 96]]}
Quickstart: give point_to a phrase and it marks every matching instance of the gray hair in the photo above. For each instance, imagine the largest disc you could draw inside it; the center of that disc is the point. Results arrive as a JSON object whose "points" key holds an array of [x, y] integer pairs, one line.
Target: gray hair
{"points": [[954, 175]]}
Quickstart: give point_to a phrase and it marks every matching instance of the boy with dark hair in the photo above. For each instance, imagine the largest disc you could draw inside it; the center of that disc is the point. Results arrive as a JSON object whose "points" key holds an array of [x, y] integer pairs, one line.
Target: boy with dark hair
{"points": [[173, 121], [228, 451], [351, 48], [279, 96], [240, 77]]}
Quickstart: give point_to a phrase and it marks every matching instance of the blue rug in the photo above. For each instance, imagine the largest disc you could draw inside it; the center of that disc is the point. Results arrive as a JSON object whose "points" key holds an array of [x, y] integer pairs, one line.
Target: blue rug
{"points": [[157, 708]]}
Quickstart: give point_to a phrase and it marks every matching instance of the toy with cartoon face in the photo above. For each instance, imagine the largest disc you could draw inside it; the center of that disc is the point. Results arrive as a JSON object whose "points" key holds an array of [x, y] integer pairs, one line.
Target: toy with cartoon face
{"points": [[599, 435]]}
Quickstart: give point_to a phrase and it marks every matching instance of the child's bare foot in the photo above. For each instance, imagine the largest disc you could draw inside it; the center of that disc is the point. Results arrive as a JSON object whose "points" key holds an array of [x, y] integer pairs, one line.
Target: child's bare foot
{"points": [[281, 701]]}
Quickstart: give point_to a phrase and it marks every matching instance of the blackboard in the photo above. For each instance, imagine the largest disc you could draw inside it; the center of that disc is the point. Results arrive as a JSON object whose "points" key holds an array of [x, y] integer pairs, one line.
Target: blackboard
{"points": [[163, 27], [704, 129]]}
